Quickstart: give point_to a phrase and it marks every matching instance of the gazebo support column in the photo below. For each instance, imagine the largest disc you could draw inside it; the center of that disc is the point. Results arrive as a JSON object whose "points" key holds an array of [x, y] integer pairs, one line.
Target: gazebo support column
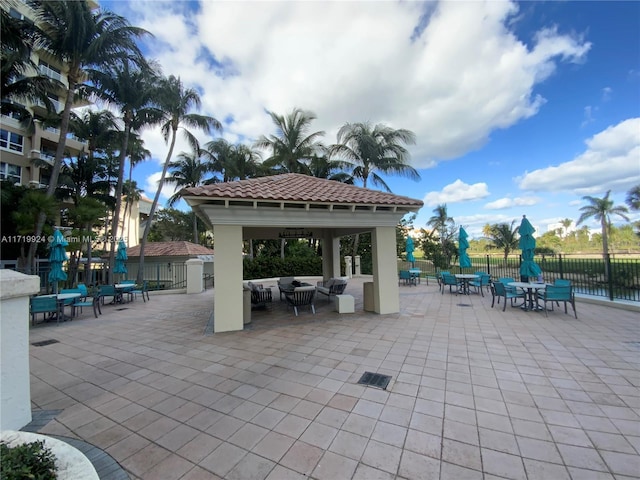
{"points": [[227, 269], [330, 255], [385, 270]]}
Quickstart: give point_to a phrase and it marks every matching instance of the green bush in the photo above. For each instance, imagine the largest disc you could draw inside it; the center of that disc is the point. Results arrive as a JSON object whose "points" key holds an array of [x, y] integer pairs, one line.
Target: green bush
{"points": [[27, 461], [268, 267]]}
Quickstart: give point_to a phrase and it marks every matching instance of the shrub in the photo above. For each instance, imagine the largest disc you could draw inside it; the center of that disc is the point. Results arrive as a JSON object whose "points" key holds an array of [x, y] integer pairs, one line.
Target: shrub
{"points": [[27, 461]]}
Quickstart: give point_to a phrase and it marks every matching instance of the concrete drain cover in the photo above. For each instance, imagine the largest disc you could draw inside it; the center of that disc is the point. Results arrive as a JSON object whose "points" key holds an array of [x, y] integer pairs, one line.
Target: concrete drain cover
{"points": [[45, 342], [375, 380]]}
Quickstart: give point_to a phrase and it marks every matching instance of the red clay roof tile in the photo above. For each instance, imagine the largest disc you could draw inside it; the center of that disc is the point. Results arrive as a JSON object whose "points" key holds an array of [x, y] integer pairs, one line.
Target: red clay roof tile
{"points": [[163, 249]]}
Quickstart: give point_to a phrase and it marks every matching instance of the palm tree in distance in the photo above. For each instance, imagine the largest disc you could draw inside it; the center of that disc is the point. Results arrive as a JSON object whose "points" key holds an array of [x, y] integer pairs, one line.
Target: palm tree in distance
{"points": [[293, 142], [175, 102], [137, 153], [566, 223], [601, 210], [187, 171], [503, 237], [232, 162], [81, 39], [442, 222]]}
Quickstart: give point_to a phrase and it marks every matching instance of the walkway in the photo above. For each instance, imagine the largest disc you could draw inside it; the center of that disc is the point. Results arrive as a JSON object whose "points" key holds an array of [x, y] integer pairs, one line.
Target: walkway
{"points": [[475, 392]]}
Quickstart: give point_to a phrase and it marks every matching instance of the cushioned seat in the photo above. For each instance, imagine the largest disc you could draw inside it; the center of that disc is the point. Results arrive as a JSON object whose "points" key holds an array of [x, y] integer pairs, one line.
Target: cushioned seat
{"points": [[260, 296], [333, 286], [301, 296]]}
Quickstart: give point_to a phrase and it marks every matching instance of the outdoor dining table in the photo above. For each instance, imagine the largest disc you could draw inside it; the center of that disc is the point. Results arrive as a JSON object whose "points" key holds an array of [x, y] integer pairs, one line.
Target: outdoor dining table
{"points": [[122, 288], [415, 273], [61, 297], [466, 278], [530, 288]]}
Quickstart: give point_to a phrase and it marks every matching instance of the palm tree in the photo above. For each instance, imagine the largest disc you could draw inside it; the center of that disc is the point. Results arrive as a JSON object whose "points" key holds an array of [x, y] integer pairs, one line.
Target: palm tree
{"points": [[233, 162], [187, 171], [601, 210], [371, 149], [175, 102], [130, 87], [503, 237], [293, 142], [81, 39], [566, 223], [137, 153], [441, 222], [633, 198]]}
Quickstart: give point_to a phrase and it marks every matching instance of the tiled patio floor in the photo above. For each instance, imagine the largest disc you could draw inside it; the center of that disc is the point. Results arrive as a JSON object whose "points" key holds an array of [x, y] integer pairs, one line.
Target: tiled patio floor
{"points": [[476, 393]]}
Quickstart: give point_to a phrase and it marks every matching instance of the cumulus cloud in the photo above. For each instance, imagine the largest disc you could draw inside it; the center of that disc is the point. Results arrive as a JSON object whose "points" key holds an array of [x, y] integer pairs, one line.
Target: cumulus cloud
{"points": [[463, 76], [507, 202], [151, 186], [457, 191], [610, 162]]}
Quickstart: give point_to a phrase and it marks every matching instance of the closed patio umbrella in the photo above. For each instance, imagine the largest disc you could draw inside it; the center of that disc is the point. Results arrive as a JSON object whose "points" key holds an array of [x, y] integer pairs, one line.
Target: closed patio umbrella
{"points": [[527, 244], [409, 249], [463, 244], [121, 257], [57, 256]]}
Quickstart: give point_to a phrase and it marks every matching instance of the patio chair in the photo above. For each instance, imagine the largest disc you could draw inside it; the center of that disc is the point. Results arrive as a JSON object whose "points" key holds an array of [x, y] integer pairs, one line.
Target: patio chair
{"points": [[260, 296], [300, 297], [93, 302], [69, 302], [144, 290], [558, 293], [333, 286], [451, 281], [439, 278], [499, 290], [129, 290], [84, 290], [44, 304], [483, 281], [284, 285], [107, 291], [406, 277]]}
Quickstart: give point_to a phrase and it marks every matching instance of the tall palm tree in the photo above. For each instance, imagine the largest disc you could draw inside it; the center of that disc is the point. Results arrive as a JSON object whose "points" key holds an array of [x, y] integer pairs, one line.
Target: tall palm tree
{"points": [[372, 149], [187, 171], [566, 223], [233, 162], [503, 237], [601, 210], [129, 86], [175, 103], [293, 142], [81, 39], [137, 153], [441, 222]]}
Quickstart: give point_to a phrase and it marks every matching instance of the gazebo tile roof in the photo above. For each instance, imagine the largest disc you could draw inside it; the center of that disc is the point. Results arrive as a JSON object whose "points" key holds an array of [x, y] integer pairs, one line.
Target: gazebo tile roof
{"points": [[169, 249], [295, 187]]}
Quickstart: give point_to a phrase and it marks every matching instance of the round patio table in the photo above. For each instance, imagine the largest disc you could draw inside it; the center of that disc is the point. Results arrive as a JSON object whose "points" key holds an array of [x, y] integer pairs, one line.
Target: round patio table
{"points": [[466, 278], [529, 288]]}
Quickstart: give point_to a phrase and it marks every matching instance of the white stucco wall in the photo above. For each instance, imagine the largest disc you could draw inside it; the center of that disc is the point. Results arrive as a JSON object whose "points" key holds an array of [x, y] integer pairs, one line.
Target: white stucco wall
{"points": [[15, 392]]}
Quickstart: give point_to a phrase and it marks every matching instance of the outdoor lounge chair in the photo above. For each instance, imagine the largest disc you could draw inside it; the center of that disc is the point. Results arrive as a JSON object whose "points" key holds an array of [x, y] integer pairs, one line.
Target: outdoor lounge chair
{"points": [[333, 286], [558, 293], [499, 290], [301, 296], [483, 281], [144, 290], [406, 277], [451, 281], [107, 291], [284, 285], [44, 304], [93, 302], [260, 296], [439, 278]]}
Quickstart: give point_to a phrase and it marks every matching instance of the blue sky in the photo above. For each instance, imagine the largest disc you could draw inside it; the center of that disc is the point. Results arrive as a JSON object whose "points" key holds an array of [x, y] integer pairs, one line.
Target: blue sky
{"points": [[518, 108]]}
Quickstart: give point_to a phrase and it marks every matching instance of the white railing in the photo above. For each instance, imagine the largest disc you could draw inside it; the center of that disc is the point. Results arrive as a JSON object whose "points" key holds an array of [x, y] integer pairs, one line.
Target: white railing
{"points": [[45, 70]]}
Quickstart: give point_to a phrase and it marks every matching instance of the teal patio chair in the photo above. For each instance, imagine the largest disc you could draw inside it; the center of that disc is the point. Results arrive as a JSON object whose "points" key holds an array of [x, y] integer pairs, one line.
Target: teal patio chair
{"points": [[499, 290], [439, 278], [483, 281], [451, 281], [143, 290], [93, 302], [558, 293], [107, 291], [406, 277], [44, 304]]}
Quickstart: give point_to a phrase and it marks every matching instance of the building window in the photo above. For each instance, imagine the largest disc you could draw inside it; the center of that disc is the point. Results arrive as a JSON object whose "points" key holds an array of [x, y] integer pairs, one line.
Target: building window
{"points": [[11, 141], [50, 71], [10, 172]]}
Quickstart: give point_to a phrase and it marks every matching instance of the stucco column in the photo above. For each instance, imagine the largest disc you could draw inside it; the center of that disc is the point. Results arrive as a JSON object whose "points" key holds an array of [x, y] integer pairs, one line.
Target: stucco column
{"points": [[15, 391], [385, 270], [227, 269], [330, 255], [195, 271]]}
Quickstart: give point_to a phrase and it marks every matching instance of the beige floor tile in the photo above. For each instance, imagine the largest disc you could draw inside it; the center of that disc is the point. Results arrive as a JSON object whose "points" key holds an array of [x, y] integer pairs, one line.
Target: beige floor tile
{"points": [[223, 459], [302, 457], [252, 467], [416, 466], [334, 467], [503, 464], [199, 447], [382, 456]]}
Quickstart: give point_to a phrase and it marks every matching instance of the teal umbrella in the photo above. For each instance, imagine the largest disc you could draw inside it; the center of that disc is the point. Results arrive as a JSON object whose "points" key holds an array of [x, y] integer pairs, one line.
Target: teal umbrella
{"points": [[463, 244], [527, 243], [57, 256], [121, 257], [409, 249]]}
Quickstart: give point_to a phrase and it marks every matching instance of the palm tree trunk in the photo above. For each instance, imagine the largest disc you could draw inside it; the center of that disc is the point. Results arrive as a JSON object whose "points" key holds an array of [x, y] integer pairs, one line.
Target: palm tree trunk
{"points": [[55, 173], [605, 246], [116, 214], [147, 228], [195, 228], [282, 244], [87, 268]]}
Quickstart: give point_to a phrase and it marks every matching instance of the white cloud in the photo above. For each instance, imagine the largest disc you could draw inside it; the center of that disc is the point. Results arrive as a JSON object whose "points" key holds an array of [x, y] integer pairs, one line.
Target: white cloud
{"points": [[507, 202], [151, 187], [465, 76], [457, 191], [611, 162]]}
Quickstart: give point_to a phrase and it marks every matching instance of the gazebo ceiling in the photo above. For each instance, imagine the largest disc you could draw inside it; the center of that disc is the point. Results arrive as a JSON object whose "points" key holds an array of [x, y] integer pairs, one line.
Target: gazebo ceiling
{"points": [[265, 206]]}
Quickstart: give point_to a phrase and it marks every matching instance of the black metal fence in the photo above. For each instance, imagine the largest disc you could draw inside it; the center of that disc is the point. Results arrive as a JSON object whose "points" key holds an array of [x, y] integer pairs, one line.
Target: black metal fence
{"points": [[588, 275]]}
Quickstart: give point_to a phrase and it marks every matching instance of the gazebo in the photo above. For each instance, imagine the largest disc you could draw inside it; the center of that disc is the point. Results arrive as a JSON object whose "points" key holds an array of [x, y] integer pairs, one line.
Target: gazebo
{"points": [[293, 206]]}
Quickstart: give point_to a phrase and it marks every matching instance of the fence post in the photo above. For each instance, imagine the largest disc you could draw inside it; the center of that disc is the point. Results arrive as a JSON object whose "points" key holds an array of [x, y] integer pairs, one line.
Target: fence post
{"points": [[488, 265], [157, 276], [609, 273], [560, 265]]}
